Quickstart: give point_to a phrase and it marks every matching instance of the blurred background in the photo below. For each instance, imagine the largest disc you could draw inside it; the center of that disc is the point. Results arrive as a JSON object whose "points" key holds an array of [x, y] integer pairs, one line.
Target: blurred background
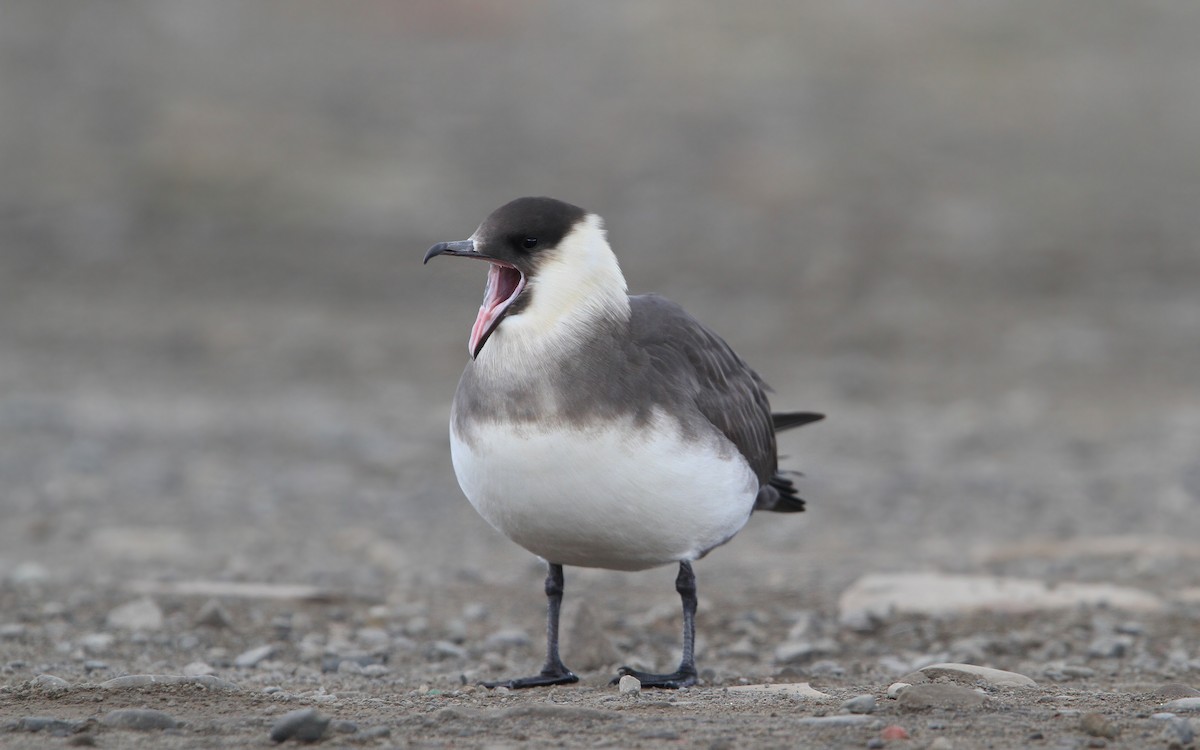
{"points": [[968, 232]]}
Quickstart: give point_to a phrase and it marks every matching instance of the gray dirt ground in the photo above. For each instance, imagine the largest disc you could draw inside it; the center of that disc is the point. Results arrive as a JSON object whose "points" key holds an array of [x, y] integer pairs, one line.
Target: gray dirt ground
{"points": [[968, 234]]}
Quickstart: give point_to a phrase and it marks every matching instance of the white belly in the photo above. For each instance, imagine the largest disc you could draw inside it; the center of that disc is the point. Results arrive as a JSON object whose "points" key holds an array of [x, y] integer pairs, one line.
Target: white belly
{"points": [[617, 496]]}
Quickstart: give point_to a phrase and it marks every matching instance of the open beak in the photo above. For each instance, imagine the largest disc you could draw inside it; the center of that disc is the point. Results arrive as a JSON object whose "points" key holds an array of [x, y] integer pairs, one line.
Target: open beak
{"points": [[465, 248], [504, 284]]}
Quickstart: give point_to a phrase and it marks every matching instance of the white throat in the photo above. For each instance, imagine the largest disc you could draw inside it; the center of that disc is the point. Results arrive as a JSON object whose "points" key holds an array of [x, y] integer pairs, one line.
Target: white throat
{"points": [[578, 284]]}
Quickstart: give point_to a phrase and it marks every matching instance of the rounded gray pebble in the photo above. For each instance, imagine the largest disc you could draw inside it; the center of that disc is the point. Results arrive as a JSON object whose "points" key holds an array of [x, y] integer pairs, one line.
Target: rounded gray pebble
{"points": [[341, 726], [1178, 733], [860, 704], [50, 683], [139, 719], [50, 725], [302, 725]]}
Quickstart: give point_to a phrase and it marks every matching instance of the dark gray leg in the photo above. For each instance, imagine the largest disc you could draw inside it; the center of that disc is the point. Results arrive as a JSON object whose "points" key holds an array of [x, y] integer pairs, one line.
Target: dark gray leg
{"points": [[685, 584], [554, 672]]}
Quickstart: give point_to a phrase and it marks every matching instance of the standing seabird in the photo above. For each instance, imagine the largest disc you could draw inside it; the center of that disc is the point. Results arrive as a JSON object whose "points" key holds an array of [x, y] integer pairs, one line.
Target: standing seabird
{"points": [[600, 429]]}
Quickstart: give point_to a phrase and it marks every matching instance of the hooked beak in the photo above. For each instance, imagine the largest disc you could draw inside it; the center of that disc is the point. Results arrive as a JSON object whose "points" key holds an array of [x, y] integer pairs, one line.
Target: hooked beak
{"points": [[504, 284], [460, 247]]}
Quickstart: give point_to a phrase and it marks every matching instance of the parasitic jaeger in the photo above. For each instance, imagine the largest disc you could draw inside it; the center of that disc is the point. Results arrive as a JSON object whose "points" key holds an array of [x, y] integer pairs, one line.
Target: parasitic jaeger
{"points": [[599, 429]]}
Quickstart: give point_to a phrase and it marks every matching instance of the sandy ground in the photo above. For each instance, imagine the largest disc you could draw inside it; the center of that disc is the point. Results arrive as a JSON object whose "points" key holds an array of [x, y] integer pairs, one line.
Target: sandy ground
{"points": [[967, 236]]}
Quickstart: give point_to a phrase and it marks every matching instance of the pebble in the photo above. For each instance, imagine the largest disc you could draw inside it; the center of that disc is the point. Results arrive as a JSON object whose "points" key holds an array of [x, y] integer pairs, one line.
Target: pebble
{"points": [[1173, 690], [879, 597], [896, 688], [50, 725], [29, 573], [341, 726], [447, 650], [254, 656], [97, 643], [505, 639], [1178, 734], [145, 680], [198, 668], [214, 615], [840, 720], [94, 665], [860, 704], [140, 614], [796, 690], [629, 685], [12, 630], [302, 725], [1098, 725], [1110, 647], [50, 683], [790, 652], [139, 719], [938, 695], [893, 732], [973, 673], [1183, 705], [941, 743]]}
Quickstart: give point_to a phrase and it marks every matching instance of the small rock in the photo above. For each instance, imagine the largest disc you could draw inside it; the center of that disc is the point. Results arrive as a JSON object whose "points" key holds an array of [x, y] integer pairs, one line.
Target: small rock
{"points": [[791, 652], [374, 733], [860, 704], [94, 665], [145, 680], [795, 690], [941, 743], [212, 614], [629, 685], [49, 725], [893, 732], [1178, 734], [341, 726], [447, 650], [1183, 705], [376, 670], [12, 630], [141, 614], [1173, 690], [896, 688], [49, 683], [1098, 725], [198, 668], [839, 720], [29, 573], [972, 674], [97, 643], [254, 656], [502, 640], [302, 725], [1078, 672], [139, 719], [938, 695], [1110, 647]]}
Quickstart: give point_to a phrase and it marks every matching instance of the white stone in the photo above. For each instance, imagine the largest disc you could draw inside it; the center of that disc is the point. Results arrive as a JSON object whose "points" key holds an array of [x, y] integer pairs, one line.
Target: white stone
{"points": [[877, 597], [797, 690], [994, 677], [198, 668], [629, 685], [1183, 705], [252, 657], [140, 614], [896, 688]]}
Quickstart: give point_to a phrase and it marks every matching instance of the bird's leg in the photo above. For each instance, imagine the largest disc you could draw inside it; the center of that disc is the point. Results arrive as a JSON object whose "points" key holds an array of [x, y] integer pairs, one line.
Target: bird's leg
{"points": [[554, 672], [685, 584]]}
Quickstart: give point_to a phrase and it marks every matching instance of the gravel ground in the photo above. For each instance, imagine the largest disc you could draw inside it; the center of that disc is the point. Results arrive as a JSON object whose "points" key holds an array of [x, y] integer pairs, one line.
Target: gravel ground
{"points": [[967, 234]]}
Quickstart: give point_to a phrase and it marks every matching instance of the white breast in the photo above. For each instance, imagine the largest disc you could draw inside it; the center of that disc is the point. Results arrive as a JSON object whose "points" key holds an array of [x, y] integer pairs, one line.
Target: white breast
{"points": [[619, 496]]}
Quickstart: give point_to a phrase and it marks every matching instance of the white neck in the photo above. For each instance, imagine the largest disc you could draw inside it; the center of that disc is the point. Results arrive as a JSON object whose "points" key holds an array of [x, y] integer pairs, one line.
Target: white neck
{"points": [[578, 284]]}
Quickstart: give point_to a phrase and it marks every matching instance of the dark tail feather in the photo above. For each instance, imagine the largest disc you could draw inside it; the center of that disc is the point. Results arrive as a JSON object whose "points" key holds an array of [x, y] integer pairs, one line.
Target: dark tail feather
{"points": [[789, 419], [779, 495]]}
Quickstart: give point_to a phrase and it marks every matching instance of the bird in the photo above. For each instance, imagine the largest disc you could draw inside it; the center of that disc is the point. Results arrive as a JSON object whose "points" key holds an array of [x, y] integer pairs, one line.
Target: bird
{"points": [[600, 429]]}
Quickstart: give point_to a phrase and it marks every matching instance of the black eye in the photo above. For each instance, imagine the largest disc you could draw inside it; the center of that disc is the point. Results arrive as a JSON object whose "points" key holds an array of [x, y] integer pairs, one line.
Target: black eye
{"points": [[529, 243]]}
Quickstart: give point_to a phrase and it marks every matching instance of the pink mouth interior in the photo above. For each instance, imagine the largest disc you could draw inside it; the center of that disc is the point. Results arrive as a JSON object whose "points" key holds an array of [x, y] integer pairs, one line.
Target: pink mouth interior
{"points": [[504, 283]]}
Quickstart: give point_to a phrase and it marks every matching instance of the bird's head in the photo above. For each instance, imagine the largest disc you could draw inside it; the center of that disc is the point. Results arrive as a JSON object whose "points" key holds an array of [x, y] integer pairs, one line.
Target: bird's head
{"points": [[550, 264]]}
